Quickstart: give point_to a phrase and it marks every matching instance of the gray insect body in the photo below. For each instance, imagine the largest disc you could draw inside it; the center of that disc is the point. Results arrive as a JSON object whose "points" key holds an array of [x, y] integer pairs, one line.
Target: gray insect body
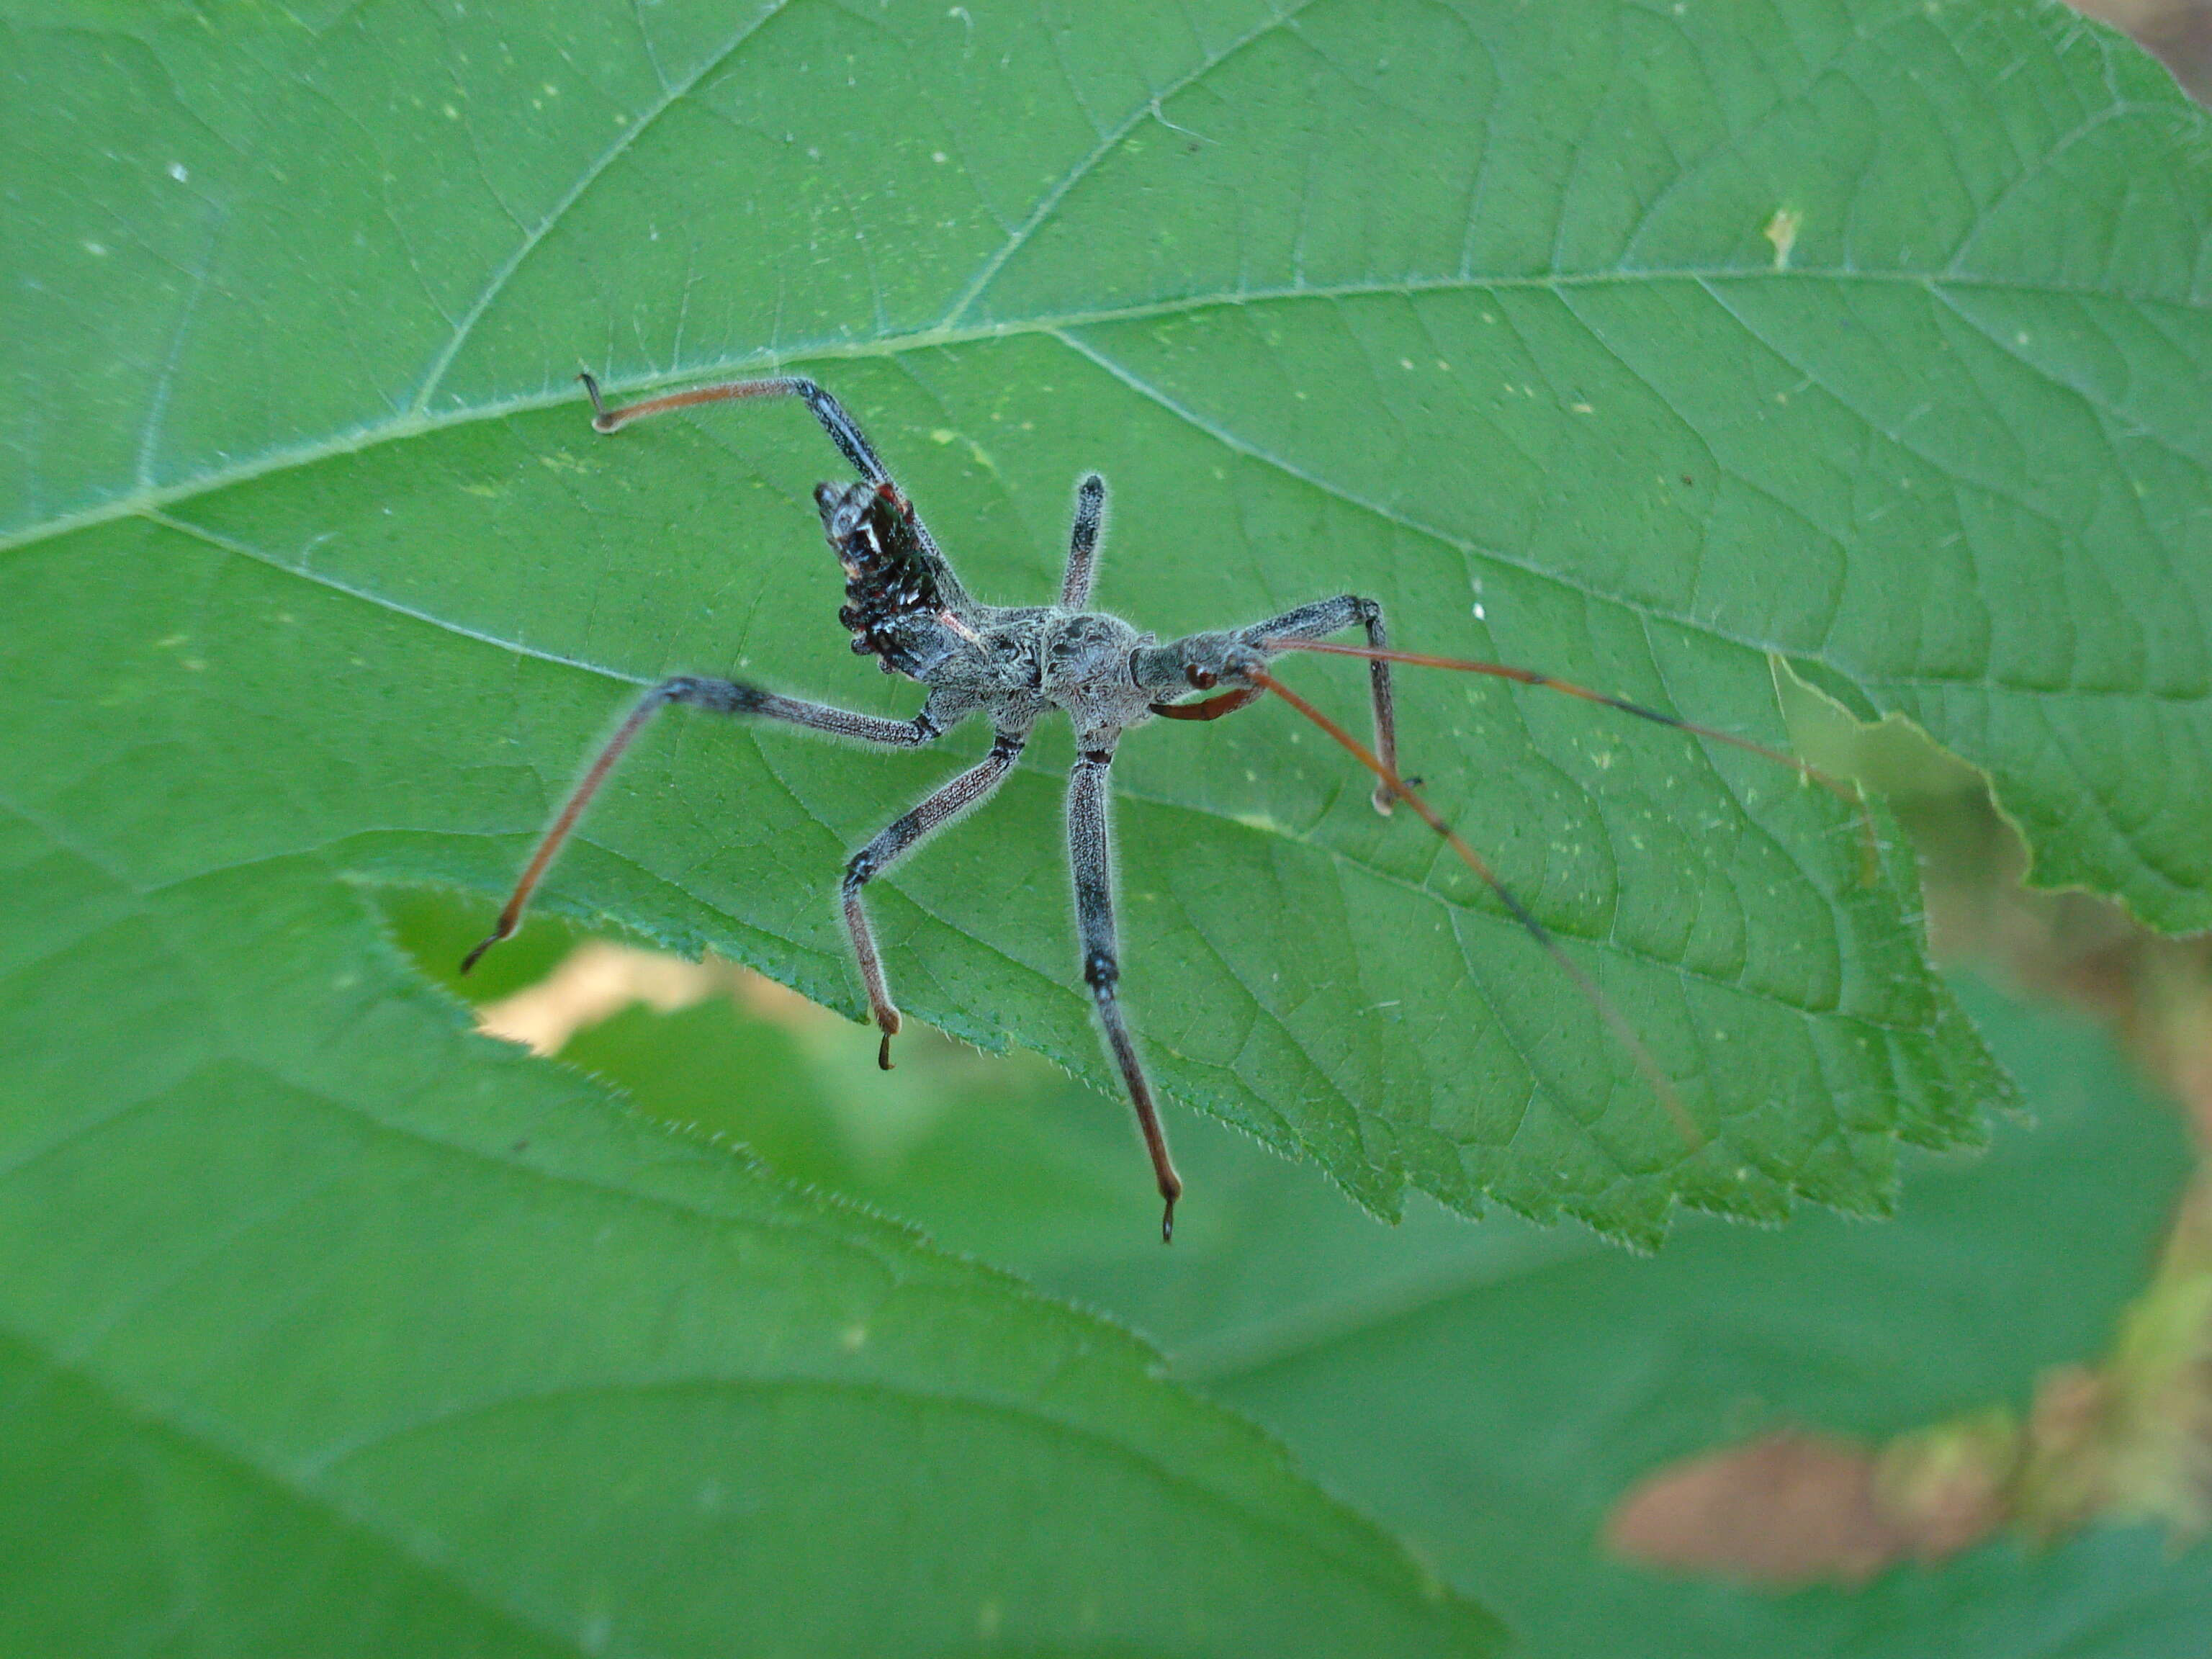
{"points": [[908, 611], [1014, 664]]}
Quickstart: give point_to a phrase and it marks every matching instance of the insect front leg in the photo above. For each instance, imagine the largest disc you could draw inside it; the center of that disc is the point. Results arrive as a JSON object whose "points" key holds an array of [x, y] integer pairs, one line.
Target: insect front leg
{"points": [[843, 431], [1091, 859], [970, 789], [1317, 620], [1083, 543], [1202, 661], [721, 697]]}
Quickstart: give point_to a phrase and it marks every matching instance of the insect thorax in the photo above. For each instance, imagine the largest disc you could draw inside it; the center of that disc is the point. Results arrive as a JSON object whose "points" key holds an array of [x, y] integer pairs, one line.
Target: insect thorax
{"points": [[1084, 668]]}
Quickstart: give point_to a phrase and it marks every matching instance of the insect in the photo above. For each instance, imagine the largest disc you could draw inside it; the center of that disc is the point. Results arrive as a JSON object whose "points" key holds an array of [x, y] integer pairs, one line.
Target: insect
{"points": [[1014, 664]]}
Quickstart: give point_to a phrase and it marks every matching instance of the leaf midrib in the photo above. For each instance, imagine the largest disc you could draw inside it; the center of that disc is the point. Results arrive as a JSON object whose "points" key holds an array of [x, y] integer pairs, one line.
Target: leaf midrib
{"points": [[413, 423]]}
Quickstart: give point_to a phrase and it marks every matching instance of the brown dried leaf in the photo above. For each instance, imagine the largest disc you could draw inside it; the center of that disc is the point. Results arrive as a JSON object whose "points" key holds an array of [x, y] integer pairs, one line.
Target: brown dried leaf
{"points": [[1784, 1509]]}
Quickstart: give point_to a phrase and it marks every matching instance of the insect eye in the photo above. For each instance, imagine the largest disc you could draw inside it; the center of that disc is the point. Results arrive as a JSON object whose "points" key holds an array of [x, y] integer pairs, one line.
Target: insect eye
{"points": [[1203, 679]]}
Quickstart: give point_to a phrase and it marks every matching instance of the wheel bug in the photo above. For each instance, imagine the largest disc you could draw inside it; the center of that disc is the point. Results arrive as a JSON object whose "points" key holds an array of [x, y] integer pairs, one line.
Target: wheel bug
{"points": [[905, 608]]}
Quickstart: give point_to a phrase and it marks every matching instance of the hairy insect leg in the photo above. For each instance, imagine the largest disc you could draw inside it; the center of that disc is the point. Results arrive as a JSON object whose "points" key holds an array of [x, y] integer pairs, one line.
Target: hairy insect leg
{"points": [[1850, 793], [721, 697], [1083, 543], [970, 787], [1623, 1033], [844, 431], [1309, 622], [1089, 855]]}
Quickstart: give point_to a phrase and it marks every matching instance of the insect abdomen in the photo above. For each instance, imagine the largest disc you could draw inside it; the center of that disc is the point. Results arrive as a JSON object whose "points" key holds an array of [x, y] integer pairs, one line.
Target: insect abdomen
{"points": [[891, 580]]}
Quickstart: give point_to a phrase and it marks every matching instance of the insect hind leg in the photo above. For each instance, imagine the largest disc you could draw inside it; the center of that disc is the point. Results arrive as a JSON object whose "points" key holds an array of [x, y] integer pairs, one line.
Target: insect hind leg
{"points": [[1091, 863]]}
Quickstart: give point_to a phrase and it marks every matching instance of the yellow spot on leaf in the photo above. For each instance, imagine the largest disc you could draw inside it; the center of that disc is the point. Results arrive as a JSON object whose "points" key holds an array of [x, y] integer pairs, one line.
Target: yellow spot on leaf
{"points": [[1782, 231]]}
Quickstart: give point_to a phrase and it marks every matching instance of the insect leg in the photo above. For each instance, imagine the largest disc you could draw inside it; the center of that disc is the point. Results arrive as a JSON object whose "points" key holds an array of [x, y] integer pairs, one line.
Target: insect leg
{"points": [[1083, 543], [844, 431], [1091, 859], [722, 698], [970, 787], [1312, 622]]}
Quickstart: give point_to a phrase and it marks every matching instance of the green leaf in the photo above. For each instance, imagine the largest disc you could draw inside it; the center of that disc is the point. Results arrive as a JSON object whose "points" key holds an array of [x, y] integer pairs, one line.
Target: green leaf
{"points": [[325, 1326], [313, 571], [1492, 1391], [1638, 345]]}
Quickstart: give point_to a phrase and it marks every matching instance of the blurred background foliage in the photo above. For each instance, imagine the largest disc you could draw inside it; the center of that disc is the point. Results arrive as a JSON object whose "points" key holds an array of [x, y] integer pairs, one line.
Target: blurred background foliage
{"points": [[1988, 1422]]}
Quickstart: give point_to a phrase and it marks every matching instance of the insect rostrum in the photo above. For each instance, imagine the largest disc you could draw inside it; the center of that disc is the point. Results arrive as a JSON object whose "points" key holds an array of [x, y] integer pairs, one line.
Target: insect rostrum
{"points": [[1013, 665]]}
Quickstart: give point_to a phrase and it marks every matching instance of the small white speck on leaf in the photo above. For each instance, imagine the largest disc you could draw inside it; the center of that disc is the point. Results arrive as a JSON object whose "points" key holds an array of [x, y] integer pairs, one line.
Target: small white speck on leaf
{"points": [[178, 172]]}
